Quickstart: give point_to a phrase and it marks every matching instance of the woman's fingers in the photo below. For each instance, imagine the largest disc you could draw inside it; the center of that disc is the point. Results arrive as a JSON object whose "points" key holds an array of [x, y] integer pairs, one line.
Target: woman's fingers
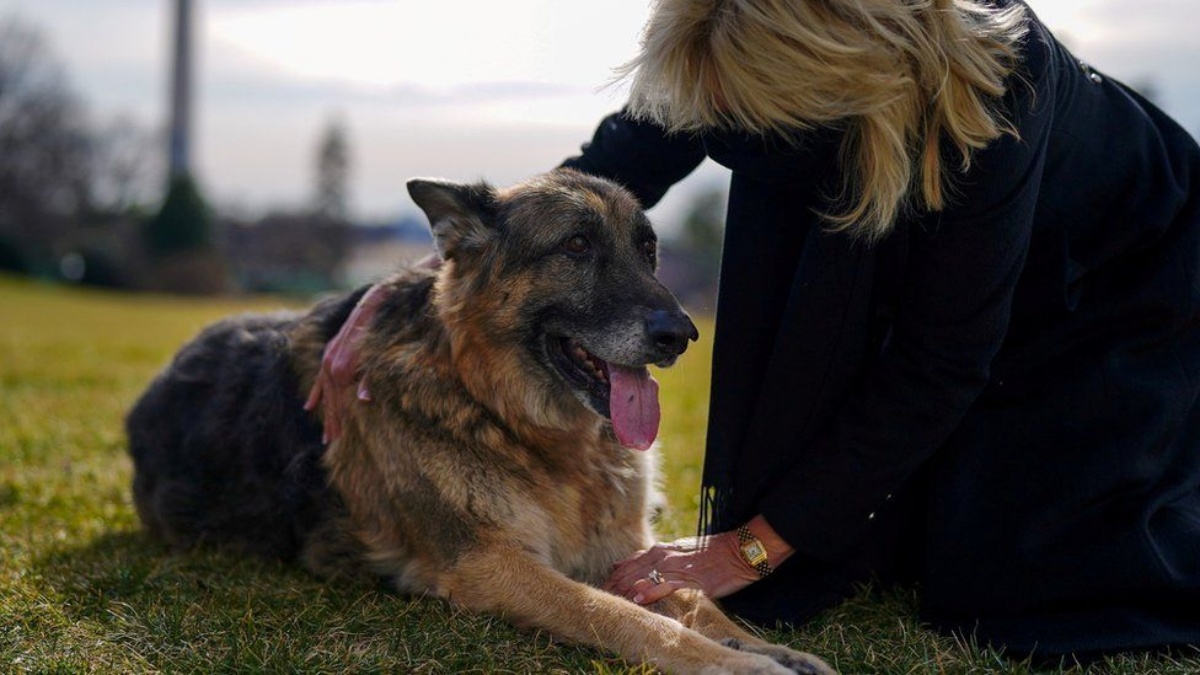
{"points": [[658, 592], [630, 570], [314, 395], [343, 355], [712, 565], [654, 573], [338, 374], [623, 572], [655, 587]]}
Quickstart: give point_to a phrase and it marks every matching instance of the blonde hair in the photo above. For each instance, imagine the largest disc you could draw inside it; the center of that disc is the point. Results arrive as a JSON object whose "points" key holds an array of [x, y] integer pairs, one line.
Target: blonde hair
{"points": [[899, 76]]}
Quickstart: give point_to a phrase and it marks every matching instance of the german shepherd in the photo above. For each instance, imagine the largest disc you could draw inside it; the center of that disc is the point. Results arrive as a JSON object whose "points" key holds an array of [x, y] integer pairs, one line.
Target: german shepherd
{"points": [[492, 466]]}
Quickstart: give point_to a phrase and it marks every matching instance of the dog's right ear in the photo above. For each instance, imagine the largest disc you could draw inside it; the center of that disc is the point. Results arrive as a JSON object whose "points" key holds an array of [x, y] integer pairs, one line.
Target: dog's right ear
{"points": [[460, 216]]}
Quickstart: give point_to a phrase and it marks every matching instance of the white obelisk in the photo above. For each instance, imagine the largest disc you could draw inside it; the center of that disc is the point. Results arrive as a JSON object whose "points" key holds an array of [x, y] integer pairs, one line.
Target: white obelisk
{"points": [[181, 95]]}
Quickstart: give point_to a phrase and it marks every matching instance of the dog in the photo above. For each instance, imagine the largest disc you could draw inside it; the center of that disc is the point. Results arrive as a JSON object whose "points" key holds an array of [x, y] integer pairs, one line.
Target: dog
{"points": [[497, 464]]}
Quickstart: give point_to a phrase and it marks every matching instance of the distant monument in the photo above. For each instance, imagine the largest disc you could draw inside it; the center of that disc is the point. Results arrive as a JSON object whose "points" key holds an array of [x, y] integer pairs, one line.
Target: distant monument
{"points": [[181, 94], [179, 238]]}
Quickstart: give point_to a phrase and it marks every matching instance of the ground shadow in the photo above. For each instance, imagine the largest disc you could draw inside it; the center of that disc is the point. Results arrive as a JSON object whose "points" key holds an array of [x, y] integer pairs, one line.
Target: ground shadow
{"points": [[205, 610]]}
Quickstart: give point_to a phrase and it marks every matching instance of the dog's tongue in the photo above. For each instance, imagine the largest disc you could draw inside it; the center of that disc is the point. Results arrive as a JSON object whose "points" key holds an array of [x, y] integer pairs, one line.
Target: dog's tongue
{"points": [[633, 404]]}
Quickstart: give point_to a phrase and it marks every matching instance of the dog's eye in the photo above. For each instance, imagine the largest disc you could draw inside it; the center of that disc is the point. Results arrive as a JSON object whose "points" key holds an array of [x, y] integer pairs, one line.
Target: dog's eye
{"points": [[650, 250], [577, 245]]}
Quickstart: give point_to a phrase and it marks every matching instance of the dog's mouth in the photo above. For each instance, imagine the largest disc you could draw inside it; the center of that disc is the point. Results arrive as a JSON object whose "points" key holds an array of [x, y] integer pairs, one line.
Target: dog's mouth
{"points": [[627, 395]]}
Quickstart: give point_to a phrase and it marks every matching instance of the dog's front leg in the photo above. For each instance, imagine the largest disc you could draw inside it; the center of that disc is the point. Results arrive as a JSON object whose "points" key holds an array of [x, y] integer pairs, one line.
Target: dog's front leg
{"points": [[510, 582], [697, 611]]}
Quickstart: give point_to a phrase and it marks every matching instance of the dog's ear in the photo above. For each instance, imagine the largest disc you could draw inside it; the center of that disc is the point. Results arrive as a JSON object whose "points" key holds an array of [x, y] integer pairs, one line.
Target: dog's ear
{"points": [[461, 217]]}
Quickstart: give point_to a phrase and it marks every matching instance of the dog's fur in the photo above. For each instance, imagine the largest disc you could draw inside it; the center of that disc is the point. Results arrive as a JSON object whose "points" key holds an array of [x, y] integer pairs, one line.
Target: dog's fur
{"points": [[485, 469]]}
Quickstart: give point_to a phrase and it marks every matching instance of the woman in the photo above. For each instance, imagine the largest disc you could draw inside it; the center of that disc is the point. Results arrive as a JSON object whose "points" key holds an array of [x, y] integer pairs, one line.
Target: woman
{"points": [[958, 328]]}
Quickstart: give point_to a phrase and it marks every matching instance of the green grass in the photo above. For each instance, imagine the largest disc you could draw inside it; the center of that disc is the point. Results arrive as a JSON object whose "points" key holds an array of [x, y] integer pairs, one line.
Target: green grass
{"points": [[82, 590]]}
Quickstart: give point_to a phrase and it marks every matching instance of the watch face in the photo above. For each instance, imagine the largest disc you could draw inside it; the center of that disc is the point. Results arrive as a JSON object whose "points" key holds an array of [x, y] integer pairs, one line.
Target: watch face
{"points": [[753, 551]]}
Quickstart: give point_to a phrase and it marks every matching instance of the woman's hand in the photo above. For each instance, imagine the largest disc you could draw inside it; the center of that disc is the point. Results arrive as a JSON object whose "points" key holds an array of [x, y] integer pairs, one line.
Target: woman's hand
{"points": [[712, 564], [339, 364], [339, 367]]}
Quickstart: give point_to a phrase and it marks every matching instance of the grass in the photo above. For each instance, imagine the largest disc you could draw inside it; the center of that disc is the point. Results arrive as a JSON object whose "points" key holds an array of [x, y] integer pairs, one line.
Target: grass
{"points": [[83, 590]]}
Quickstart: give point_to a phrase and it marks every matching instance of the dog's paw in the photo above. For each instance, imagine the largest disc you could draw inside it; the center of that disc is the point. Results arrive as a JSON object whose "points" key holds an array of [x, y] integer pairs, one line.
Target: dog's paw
{"points": [[794, 661], [746, 664]]}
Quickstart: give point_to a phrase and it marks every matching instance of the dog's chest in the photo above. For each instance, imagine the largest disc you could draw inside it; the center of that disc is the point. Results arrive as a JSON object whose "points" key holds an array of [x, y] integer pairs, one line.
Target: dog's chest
{"points": [[600, 516]]}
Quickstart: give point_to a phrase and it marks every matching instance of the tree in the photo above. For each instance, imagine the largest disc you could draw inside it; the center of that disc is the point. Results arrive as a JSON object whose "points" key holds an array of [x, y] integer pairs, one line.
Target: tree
{"points": [[183, 224], [45, 149], [325, 233], [333, 172], [126, 167], [183, 255]]}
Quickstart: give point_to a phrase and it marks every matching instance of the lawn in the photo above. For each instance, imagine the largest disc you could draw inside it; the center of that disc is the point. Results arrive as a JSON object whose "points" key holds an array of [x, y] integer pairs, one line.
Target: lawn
{"points": [[83, 590]]}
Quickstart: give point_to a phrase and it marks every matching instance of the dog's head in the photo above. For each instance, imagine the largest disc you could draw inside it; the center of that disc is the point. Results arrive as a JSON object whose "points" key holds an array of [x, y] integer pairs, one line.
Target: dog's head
{"points": [[551, 282]]}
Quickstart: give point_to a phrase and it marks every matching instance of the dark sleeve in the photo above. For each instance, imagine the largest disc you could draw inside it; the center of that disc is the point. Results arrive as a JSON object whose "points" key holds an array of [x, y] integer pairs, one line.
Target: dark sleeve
{"points": [[953, 315], [639, 155]]}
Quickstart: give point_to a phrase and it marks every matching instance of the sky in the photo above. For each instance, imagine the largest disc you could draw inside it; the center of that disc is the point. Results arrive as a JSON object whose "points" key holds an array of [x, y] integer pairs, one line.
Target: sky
{"points": [[462, 89]]}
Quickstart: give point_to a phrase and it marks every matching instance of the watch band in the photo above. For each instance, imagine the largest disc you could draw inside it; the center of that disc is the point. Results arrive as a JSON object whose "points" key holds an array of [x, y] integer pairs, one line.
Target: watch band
{"points": [[753, 551]]}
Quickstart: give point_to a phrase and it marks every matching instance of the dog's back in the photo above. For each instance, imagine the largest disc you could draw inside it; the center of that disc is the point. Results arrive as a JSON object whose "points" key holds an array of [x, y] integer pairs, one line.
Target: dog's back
{"points": [[222, 449]]}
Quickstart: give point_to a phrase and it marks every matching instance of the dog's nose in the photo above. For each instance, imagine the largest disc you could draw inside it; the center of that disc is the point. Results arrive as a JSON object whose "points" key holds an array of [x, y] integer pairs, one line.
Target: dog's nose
{"points": [[671, 331]]}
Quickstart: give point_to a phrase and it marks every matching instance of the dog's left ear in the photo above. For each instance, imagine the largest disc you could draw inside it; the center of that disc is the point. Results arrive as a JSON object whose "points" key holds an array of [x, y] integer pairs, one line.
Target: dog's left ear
{"points": [[460, 216]]}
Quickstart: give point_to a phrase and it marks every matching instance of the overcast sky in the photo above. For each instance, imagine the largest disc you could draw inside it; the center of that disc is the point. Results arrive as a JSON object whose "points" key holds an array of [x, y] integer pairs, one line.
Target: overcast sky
{"points": [[457, 88]]}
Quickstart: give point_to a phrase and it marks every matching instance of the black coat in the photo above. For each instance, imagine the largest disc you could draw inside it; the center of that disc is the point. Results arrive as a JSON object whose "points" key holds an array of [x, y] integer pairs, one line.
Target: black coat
{"points": [[999, 401]]}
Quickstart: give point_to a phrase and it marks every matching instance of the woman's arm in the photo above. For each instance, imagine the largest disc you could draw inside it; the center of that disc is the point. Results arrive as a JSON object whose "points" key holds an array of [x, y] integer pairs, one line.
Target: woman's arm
{"points": [[641, 156]]}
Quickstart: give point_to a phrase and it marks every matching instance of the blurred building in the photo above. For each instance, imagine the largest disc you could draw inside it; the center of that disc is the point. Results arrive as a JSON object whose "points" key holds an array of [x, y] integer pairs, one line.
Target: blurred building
{"points": [[379, 250]]}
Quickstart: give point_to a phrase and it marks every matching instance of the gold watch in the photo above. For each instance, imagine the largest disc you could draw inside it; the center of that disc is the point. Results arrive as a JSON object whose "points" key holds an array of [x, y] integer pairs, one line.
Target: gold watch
{"points": [[753, 551]]}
